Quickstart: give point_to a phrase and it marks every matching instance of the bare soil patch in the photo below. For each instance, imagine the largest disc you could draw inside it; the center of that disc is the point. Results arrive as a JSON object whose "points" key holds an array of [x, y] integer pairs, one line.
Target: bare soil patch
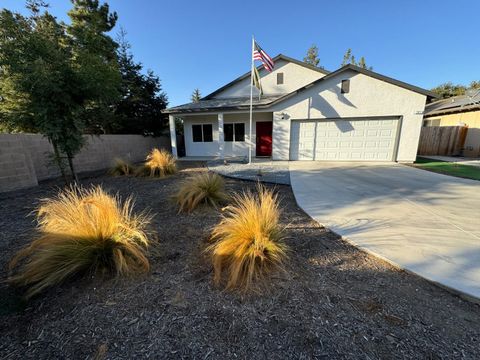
{"points": [[335, 302]]}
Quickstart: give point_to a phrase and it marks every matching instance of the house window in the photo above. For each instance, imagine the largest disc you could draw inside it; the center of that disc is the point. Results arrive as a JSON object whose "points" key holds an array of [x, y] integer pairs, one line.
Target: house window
{"points": [[234, 132], [345, 86], [240, 132], [228, 132], [279, 78], [197, 133], [435, 122], [202, 133]]}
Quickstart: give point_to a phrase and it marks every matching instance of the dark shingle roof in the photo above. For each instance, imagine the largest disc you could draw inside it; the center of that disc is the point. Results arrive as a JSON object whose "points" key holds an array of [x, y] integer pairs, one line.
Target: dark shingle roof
{"points": [[239, 103], [459, 103]]}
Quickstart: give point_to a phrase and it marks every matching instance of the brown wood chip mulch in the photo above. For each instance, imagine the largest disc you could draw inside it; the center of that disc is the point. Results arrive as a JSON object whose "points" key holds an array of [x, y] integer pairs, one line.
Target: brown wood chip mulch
{"points": [[334, 302]]}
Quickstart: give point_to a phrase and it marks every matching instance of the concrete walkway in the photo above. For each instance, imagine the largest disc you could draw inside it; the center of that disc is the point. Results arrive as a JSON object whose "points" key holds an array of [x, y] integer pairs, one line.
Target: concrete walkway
{"points": [[423, 222], [455, 159], [263, 170]]}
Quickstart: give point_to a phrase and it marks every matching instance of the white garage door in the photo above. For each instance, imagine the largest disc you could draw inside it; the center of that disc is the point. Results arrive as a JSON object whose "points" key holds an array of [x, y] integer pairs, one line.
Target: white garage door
{"points": [[344, 140]]}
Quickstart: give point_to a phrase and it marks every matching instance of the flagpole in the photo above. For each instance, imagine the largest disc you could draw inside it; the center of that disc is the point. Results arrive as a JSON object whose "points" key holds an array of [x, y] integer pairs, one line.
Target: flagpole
{"points": [[251, 104]]}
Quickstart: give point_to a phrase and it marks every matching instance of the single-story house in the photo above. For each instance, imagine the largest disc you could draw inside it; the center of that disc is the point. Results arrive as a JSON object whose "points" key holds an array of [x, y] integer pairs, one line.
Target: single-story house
{"points": [[307, 113], [458, 111]]}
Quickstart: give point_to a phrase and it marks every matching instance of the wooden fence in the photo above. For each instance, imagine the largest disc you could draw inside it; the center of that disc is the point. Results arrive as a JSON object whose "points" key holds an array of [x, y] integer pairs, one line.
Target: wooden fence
{"points": [[442, 140]]}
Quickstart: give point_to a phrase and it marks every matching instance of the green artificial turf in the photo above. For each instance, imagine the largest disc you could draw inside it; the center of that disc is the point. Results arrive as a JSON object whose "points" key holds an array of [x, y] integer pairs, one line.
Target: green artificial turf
{"points": [[448, 168]]}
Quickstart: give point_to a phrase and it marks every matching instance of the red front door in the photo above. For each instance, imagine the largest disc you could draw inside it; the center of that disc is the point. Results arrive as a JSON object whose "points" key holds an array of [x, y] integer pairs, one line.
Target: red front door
{"points": [[264, 138]]}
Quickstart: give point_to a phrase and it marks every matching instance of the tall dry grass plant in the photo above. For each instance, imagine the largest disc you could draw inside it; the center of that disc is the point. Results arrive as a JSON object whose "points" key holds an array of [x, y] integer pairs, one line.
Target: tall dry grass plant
{"points": [[205, 188], [159, 163], [82, 230], [248, 243]]}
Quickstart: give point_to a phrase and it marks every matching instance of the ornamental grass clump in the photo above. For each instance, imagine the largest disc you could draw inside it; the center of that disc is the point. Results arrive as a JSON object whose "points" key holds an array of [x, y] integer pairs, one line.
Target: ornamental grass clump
{"points": [[121, 167], [159, 163], [205, 188], [82, 231], [248, 242]]}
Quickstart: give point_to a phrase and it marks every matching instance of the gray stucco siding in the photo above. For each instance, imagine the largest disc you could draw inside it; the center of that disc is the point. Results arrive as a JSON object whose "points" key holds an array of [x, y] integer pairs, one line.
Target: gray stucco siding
{"points": [[368, 97]]}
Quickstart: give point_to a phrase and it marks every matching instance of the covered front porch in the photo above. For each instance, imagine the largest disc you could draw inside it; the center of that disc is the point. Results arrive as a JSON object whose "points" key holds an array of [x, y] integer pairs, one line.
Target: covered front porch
{"points": [[224, 134]]}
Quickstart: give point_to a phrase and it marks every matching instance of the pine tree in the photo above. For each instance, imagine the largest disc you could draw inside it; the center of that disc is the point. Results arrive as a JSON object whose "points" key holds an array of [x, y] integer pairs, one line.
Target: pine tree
{"points": [[362, 63], [349, 58], [346, 57], [312, 56], [196, 96], [139, 109], [352, 60]]}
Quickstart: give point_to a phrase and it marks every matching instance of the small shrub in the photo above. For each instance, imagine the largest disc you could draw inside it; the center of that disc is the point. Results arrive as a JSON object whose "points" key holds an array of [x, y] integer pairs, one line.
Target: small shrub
{"points": [[121, 167], [82, 230], [158, 163], [248, 241], [206, 188]]}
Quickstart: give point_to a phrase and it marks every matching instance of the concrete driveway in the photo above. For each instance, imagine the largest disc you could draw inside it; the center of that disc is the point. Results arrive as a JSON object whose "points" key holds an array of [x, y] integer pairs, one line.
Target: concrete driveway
{"points": [[423, 222]]}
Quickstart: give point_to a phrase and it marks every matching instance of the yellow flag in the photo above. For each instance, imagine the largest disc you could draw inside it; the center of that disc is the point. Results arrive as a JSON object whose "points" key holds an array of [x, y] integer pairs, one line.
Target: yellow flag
{"points": [[256, 80]]}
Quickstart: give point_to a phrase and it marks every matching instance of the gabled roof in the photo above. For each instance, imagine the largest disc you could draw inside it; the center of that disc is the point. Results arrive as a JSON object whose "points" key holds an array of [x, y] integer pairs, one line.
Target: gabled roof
{"points": [[276, 58], [209, 104], [455, 104], [371, 74]]}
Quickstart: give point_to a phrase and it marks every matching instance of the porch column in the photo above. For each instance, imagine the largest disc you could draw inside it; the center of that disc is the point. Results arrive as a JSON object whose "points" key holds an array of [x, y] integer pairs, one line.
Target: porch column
{"points": [[221, 138], [173, 135]]}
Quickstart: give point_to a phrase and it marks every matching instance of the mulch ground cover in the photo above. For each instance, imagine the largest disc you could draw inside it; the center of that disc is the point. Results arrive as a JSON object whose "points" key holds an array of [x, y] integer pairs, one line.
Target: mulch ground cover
{"points": [[333, 302]]}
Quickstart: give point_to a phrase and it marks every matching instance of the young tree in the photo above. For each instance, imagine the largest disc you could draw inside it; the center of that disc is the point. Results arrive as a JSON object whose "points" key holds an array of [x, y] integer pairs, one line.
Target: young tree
{"points": [[51, 72], [39, 85], [312, 56], [196, 96], [139, 109]]}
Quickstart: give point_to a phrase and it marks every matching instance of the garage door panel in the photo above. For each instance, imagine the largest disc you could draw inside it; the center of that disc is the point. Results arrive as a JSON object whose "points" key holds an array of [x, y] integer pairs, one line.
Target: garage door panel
{"points": [[344, 140]]}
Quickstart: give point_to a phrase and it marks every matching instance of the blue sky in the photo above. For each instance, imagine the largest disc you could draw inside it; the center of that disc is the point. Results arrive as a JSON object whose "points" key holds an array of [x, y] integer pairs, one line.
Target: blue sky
{"points": [[206, 44]]}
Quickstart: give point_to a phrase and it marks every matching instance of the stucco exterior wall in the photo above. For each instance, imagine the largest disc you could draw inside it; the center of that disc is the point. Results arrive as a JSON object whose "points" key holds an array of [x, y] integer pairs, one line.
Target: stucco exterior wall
{"points": [[472, 120], [212, 148], [295, 76], [24, 158], [367, 97]]}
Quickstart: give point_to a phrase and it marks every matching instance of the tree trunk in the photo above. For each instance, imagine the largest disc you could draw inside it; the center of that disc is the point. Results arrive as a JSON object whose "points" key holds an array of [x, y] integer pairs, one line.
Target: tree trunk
{"points": [[72, 169], [58, 159]]}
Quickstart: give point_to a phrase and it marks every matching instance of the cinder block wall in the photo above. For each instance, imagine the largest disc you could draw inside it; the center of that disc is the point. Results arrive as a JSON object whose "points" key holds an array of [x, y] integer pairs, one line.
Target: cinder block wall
{"points": [[25, 158]]}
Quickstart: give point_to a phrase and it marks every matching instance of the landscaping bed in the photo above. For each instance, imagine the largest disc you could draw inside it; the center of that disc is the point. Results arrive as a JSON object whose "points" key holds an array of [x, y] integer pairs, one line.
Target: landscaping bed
{"points": [[334, 301]]}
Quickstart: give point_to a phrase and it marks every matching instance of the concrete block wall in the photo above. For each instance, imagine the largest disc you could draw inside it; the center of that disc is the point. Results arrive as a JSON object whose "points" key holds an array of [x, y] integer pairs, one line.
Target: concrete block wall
{"points": [[25, 160], [16, 166]]}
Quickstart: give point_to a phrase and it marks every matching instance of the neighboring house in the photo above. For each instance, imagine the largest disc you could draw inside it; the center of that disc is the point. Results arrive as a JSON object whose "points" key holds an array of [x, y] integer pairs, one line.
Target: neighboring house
{"points": [[307, 113], [455, 111]]}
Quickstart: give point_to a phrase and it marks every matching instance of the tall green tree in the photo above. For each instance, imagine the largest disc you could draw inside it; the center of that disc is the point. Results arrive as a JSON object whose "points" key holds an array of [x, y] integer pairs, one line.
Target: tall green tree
{"points": [[312, 56], [349, 58], [40, 87], [139, 109], [51, 74], [196, 96], [449, 89], [474, 85], [95, 54]]}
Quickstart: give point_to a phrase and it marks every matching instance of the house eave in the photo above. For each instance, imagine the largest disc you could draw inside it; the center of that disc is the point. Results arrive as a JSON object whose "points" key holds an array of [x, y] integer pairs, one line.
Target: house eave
{"points": [[214, 109], [457, 110]]}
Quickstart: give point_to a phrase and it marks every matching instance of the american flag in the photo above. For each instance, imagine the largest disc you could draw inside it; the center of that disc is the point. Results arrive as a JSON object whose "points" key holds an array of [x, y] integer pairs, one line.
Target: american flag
{"points": [[260, 54]]}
